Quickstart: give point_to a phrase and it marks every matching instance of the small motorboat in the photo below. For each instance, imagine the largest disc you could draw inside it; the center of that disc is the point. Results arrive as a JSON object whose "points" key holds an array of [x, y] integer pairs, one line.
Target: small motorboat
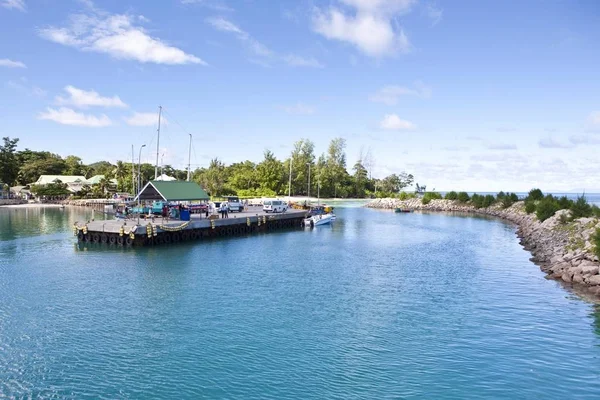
{"points": [[321, 219], [402, 210]]}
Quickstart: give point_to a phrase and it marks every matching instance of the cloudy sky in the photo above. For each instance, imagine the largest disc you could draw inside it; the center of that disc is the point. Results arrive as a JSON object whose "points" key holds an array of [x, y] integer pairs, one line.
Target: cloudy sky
{"points": [[473, 95]]}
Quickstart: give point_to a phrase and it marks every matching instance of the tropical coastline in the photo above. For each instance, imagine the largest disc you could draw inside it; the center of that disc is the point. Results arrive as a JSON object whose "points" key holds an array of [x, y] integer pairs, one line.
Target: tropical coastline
{"points": [[564, 251]]}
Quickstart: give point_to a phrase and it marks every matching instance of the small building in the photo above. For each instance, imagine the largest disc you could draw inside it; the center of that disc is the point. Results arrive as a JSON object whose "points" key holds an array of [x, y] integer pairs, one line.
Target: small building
{"points": [[68, 179], [21, 192], [95, 180], [172, 191], [165, 177]]}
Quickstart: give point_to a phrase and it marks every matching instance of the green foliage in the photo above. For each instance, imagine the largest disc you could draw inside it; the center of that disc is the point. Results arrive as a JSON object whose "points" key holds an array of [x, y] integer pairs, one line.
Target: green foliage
{"points": [[52, 189], [581, 208], [546, 208], [463, 197], [406, 196], [428, 196], [596, 242], [529, 206], [9, 169], [596, 211], [508, 199], [451, 195], [488, 200], [535, 195], [501, 195], [565, 203]]}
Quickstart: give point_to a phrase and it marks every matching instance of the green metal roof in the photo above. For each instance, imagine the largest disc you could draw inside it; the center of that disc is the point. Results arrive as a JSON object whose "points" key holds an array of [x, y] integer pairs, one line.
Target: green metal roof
{"points": [[173, 191]]}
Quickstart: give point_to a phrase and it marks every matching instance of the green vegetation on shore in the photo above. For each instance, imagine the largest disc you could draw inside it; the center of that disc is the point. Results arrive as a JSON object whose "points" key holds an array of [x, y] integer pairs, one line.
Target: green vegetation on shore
{"points": [[329, 176]]}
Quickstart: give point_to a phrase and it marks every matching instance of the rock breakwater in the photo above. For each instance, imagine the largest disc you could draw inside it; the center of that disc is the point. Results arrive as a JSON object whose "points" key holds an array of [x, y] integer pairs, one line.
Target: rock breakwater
{"points": [[563, 250]]}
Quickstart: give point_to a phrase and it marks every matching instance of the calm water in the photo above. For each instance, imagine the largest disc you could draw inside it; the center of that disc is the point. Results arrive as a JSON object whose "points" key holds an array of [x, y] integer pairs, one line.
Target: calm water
{"points": [[380, 305]]}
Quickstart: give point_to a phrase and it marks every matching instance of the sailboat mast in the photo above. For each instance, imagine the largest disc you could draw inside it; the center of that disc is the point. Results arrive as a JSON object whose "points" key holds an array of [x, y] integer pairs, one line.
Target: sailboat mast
{"points": [[157, 143], [190, 159]]}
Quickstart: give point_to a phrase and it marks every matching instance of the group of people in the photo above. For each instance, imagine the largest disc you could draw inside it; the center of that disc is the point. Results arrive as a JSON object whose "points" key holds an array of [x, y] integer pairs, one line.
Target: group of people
{"points": [[223, 209]]}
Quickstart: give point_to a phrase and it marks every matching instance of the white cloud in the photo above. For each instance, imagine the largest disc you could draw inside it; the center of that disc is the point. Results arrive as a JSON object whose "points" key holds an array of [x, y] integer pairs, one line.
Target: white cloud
{"points": [[502, 146], [298, 109], [256, 47], [593, 122], [371, 28], [23, 86], [5, 62], [390, 94], [392, 122], [144, 119], [551, 143], [584, 139], [298, 61], [434, 13], [82, 99], [118, 36], [14, 4], [68, 116]]}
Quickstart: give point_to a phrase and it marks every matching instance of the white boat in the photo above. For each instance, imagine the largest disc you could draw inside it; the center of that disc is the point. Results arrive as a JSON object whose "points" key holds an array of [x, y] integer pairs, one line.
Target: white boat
{"points": [[321, 219]]}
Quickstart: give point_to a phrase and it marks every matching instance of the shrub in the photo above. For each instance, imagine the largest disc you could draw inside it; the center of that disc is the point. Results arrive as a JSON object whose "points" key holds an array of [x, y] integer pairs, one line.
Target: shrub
{"points": [[596, 242], [581, 208], [535, 194], [428, 196], [477, 200], [596, 211], [564, 203], [463, 197], [406, 196], [529, 206], [451, 196], [501, 195], [546, 208], [488, 200], [509, 199]]}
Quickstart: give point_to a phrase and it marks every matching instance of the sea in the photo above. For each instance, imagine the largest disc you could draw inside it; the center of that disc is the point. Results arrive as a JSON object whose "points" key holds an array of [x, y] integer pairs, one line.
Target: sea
{"points": [[377, 306]]}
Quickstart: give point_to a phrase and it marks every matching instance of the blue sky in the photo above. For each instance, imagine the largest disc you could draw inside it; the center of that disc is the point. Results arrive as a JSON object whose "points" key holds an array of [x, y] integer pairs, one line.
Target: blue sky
{"points": [[473, 95]]}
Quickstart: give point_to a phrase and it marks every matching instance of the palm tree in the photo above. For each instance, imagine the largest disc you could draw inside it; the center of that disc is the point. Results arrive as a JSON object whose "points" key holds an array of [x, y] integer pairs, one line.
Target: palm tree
{"points": [[120, 172]]}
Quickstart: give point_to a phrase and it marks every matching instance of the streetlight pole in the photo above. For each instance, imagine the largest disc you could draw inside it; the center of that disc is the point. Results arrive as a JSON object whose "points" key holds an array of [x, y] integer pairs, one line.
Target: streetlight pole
{"points": [[290, 183], [308, 189], [139, 174]]}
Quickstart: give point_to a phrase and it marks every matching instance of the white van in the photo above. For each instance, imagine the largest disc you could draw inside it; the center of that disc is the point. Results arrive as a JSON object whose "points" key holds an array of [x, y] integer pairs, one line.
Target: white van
{"points": [[274, 206]]}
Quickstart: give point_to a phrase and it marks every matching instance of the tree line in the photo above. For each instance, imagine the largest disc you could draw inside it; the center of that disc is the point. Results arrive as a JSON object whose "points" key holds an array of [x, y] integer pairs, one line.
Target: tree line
{"points": [[326, 175]]}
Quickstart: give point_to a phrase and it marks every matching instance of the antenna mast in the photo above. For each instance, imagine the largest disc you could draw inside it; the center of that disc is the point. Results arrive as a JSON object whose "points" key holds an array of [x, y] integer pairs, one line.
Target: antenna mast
{"points": [[190, 159], [157, 143]]}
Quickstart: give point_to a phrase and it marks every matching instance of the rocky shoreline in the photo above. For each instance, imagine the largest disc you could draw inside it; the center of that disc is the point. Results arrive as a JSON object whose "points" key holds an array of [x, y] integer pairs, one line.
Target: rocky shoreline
{"points": [[562, 250]]}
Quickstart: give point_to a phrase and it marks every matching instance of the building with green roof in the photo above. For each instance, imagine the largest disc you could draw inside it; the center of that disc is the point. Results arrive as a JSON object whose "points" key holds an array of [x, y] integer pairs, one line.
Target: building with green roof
{"points": [[172, 191]]}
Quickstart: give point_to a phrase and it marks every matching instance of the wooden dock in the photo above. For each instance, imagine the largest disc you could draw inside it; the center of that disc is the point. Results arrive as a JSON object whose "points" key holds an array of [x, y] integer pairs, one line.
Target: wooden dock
{"points": [[158, 231]]}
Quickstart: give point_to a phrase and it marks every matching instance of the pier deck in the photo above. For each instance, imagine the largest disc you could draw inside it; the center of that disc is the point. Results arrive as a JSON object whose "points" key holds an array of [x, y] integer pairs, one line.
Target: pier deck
{"points": [[158, 230]]}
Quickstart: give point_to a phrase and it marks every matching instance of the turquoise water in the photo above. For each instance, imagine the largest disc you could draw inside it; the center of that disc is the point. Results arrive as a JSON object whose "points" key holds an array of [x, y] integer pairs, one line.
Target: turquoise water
{"points": [[381, 305]]}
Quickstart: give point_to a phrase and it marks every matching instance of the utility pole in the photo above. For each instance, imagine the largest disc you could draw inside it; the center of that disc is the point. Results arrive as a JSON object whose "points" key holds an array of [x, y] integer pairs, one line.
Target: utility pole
{"points": [[132, 170], [157, 143], [308, 189], [139, 172], [290, 183], [190, 159]]}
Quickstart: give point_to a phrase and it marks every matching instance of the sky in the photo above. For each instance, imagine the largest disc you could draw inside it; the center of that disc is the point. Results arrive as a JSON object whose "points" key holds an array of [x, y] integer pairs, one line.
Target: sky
{"points": [[464, 94]]}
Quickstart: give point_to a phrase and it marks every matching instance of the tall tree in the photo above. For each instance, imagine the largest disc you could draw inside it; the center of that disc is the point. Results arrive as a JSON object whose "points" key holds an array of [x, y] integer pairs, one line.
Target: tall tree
{"points": [[270, 173], [9, 168], [360, 178], [213, 178], [303, 158], [73, 166]]}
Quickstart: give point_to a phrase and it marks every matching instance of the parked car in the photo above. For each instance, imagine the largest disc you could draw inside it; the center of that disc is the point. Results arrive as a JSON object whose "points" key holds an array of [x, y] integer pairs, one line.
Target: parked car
{"points": [[234, 204], [274, 206]]}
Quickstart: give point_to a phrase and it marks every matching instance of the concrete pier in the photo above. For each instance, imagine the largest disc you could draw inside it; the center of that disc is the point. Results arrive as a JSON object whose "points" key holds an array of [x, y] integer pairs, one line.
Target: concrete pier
{"points": [[158, 230]]}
